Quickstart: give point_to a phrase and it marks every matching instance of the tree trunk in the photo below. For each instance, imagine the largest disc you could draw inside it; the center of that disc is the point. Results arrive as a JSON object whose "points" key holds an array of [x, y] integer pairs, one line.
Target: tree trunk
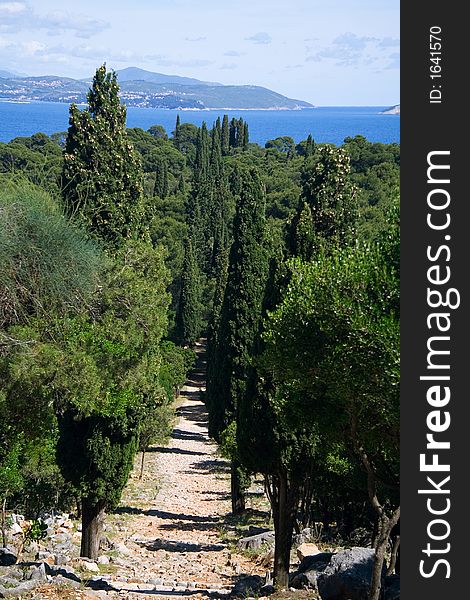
{"points": [[78, 502], [283, 496], [92, 525], [142, 465], [237, 489], [386, 525], [394, 565], [284, 520], [3, 524]]}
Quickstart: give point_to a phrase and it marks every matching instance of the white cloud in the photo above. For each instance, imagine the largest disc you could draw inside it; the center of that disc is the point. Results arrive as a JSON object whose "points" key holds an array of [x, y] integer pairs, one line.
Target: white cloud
{"points": [[17, 16], [260, 38], [81, 25], [96, 54], [351, 50], [29, 49], [229, 66], [12, 8]]}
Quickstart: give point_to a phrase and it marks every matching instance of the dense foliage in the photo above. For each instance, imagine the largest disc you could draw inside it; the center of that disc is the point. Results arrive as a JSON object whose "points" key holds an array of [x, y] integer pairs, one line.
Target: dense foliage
{"points": [[101, 178], [119, 246]]}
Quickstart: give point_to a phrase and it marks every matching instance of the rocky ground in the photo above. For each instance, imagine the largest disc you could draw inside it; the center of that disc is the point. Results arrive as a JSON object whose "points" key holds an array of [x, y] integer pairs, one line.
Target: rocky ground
{"points": [[170, 525], [171, 536]]}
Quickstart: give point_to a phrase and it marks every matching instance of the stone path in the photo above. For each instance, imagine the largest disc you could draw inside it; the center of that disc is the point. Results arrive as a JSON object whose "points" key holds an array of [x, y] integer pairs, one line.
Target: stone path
{"points": [[168, 541]]}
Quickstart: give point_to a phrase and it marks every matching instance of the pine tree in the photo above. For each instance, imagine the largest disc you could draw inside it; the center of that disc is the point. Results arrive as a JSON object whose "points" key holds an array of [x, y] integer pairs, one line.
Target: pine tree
{"points": [[225, 138], [101, 176], [188, 320]]}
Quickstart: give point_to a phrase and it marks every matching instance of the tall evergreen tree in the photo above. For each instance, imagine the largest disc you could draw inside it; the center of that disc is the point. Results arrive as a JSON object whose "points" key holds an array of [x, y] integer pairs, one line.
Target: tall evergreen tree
{"points": [[161, 187], [225, 138], [239, 322], [246, 136], [309, 146], [271, 438], [218, 127], [101, 176], [188, 320], [201, 167], [181, 184], [176, 133], [233, 132], [329, 198], [216, 164]]}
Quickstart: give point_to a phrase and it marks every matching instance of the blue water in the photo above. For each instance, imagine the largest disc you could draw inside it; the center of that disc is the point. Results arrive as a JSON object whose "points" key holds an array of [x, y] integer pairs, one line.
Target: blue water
{"points": [[326, 124]]}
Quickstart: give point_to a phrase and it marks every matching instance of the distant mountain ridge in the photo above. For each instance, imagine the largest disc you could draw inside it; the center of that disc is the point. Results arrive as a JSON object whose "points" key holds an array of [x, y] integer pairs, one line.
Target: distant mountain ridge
{"points": [[10, 74], [136, 74], [146, 89]]}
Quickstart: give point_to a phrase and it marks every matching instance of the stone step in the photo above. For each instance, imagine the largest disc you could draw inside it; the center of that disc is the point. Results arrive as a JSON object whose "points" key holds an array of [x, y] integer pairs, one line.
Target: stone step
{"points": [[162, 586]]}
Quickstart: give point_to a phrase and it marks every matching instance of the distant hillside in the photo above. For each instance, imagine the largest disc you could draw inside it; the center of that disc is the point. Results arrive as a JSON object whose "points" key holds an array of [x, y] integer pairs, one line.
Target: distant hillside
{"points": [[148, 90], [135, 74], [8, 74], [393, 110]]}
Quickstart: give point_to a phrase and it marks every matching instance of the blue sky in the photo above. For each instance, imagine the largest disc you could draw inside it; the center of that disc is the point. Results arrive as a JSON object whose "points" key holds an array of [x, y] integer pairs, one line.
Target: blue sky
{"points": [[328, 52]]}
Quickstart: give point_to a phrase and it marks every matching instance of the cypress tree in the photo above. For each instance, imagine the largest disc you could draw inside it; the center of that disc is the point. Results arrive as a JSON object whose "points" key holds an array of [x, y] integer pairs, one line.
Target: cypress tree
{"points": [[200, 204], [240, 132], [246, 136], [181, 184], [176, 133], [165, 185], [201, 166], [103, 392], [218, 127], [225, 138], [233, 132], [216, 164], [161, 180], [239, 321], [304, 241], [188, 320], [309, 146], [101, 176], [267, 437], [221, 274]]}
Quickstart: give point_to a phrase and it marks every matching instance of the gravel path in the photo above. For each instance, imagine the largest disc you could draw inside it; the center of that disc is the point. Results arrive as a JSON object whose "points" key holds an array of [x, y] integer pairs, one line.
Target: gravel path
{"points": [[168, 539]]}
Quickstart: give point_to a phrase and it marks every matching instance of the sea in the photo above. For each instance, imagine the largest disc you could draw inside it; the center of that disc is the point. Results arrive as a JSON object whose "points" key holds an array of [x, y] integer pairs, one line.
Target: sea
{"points": [[326, 124]]}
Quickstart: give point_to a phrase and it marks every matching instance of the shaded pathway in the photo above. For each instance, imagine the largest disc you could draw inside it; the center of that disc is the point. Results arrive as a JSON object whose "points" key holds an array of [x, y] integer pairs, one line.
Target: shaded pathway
{"points": [[172, 537]]}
